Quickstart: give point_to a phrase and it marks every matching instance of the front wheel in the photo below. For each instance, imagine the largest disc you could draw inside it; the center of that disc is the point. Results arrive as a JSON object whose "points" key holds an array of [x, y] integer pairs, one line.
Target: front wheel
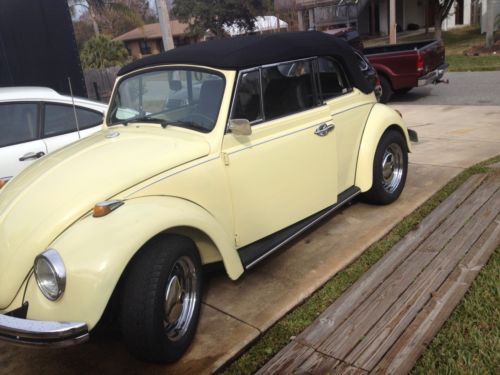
{"points": [[390, 168], [161, 299], [387, 91]]}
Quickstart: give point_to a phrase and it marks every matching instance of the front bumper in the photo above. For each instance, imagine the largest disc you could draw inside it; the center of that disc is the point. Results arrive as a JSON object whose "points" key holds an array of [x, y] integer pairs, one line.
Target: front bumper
{"points": [[434, 76], [42, 333]]}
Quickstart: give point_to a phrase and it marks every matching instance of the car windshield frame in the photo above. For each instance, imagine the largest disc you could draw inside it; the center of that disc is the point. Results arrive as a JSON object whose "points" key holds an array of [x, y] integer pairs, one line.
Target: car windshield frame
{"points": [[112, 120]]}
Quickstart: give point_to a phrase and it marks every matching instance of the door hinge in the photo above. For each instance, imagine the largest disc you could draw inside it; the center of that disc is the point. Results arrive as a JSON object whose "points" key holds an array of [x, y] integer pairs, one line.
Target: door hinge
{"points": [[226, 158]]}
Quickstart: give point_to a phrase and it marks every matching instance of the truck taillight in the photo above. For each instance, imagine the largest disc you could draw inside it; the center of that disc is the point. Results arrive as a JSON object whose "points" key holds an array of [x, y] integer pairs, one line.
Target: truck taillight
{"points": [[420, 62]]}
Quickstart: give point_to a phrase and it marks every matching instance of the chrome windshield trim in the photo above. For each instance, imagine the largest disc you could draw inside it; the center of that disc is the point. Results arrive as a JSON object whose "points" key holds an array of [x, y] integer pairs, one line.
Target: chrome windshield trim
{"points": [[42, 333]]}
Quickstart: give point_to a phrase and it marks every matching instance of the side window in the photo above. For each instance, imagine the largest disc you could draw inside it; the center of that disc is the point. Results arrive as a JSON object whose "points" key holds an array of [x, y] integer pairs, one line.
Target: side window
{"points": [[332, 79], [247, 98], [288, 88], [88, 118], [18, 123], [58, 119]]}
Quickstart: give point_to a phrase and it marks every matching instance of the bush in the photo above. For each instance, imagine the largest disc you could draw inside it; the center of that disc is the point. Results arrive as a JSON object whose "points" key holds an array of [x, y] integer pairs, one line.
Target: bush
{"points": [[102, 52]]}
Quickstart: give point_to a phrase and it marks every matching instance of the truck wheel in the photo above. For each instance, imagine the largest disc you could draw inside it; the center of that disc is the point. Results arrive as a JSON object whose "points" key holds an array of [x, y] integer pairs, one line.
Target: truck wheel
{"points": [[386, 90], [161, 299], [390, 168]]}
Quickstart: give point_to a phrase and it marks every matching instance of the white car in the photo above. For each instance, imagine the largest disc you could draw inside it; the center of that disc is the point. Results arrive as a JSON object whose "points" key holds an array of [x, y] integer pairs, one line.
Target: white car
{"points": [[35, 121]]}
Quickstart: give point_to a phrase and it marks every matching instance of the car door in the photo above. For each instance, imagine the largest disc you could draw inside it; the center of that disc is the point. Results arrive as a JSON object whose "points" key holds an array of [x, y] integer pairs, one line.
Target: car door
{"points": [[19, 137], [60, 128], [349, 110], [285, 170]]}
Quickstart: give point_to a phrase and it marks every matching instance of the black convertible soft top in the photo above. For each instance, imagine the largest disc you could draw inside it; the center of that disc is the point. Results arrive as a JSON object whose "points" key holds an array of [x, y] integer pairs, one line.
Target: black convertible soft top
{"points": [[255, 50]]}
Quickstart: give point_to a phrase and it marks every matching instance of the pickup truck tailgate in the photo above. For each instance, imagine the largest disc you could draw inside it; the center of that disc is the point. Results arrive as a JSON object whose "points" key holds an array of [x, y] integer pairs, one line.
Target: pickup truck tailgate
{"points": [[432, 55]]}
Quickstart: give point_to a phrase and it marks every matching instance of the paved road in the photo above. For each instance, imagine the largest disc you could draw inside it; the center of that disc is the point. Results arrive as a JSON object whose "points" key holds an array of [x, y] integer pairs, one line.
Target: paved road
{"points": [[465, 88]]}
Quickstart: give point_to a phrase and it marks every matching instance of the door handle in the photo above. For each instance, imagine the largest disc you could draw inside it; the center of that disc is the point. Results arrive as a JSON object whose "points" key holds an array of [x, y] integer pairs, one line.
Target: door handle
{"points": [[323, 129], [32, 156]]}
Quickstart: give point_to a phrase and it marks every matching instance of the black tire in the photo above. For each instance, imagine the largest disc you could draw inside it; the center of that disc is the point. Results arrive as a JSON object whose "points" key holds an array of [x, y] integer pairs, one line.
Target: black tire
{"points": [[156, 272], [386, 90], [388, 182]]}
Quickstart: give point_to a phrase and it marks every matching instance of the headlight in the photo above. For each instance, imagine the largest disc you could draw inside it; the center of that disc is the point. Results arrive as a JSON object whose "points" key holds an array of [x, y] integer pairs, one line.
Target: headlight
{"points": [[50, 274]]}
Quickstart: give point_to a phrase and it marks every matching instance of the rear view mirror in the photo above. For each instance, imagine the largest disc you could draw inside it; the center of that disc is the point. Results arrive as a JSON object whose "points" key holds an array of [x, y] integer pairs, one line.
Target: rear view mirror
{"points": [[240, 126]]}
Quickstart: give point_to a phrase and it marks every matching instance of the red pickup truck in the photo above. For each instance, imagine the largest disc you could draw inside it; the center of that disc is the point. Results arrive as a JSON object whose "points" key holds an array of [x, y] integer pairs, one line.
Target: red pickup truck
{"points": [[400, 67]]}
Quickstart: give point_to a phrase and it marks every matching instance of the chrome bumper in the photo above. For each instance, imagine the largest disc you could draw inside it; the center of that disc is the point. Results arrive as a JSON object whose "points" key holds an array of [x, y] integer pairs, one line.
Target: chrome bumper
{"points": [[42, 333], [434, 76]]}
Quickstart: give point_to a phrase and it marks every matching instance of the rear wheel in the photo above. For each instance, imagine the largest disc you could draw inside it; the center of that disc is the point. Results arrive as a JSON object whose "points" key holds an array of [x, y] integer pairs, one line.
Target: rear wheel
{"points": [[386, 89], [161, 299], [390, 168]]}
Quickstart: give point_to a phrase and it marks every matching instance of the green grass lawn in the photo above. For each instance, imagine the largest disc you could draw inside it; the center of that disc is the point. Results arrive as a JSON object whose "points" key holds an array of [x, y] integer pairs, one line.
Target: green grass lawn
{"points": [[456, 42], [279, 335]]}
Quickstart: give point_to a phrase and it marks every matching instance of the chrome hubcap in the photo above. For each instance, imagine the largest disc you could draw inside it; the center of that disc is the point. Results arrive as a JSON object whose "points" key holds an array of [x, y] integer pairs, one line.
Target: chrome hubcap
{"points": [[392, 167], [180, 298]]}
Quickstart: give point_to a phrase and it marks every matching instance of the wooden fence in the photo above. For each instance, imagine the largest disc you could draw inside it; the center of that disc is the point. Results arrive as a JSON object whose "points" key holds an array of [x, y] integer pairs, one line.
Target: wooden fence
{"points": [[100, 83]]}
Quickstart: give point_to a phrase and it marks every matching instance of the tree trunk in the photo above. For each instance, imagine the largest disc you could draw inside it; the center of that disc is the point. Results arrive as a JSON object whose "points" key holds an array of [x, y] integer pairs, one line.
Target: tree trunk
{"points": [[94, 20], [438, 34]]}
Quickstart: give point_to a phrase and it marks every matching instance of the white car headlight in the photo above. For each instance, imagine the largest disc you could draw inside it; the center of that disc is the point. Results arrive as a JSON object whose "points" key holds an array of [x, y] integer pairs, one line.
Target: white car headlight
{"points": [[50, 274]]}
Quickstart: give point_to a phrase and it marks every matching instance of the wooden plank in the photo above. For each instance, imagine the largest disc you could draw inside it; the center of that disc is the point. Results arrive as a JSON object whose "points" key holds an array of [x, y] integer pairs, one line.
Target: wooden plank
{"points": [[287, 360], [353, 329], [387, 330], [403, 355], [318, 364], [346, 369], [332, 317]]}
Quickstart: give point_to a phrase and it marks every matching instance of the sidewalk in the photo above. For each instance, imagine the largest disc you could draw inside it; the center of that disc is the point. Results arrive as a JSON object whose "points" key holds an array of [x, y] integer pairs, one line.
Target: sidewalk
{"points": [[384, 321]]}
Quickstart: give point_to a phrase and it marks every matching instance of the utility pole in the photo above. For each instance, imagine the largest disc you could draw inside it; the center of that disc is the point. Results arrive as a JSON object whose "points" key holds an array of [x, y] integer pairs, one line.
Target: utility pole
{"points": [[392, 22], [165, 27]]}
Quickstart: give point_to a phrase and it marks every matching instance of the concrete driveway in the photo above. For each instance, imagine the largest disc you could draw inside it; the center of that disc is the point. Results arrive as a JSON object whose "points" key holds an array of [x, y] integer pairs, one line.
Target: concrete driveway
{"points": [[235, 313]]}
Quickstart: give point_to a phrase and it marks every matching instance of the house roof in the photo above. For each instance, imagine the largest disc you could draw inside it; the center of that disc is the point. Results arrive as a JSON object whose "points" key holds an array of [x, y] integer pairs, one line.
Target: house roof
{"points": [[152, 31], [243, 52]]}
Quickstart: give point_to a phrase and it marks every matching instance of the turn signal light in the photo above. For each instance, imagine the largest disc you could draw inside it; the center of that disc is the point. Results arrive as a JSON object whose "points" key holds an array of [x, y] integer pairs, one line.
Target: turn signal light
{"points": [[105, 208], [3, 183]]}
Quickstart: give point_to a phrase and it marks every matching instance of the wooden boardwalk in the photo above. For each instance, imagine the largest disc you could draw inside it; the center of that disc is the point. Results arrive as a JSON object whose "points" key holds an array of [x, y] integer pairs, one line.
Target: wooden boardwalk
{"points": [[384, 322]]}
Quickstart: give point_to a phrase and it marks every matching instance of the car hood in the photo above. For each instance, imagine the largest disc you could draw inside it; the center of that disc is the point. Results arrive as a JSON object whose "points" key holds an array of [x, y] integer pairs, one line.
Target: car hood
{"points": [[50, 195]]}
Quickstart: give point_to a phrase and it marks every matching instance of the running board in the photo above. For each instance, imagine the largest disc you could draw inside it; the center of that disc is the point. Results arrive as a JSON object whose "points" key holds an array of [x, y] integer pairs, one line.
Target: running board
{"points": [[252, 254]]}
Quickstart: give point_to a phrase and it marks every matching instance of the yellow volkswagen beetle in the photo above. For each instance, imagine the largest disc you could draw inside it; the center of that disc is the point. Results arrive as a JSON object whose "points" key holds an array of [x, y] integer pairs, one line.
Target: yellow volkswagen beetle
{"points": [[217, 152]]}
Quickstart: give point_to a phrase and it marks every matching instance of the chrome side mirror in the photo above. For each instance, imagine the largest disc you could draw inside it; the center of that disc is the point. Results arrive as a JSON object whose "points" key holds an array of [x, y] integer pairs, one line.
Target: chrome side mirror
{"points": [[240, 126]]}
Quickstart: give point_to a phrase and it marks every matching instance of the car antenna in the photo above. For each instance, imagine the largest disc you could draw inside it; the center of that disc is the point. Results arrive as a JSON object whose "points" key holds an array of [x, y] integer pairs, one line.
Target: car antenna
{"points": [[74, 108]]}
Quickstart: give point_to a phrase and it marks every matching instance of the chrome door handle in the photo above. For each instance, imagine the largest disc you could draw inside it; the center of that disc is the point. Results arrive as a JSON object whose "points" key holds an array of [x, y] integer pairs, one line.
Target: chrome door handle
{"points": [[31, 156], [324, 129]]}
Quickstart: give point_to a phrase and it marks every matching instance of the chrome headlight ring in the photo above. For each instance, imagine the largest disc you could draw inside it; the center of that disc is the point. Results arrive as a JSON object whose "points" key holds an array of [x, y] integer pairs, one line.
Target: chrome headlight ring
{"points": [[50, 274]]}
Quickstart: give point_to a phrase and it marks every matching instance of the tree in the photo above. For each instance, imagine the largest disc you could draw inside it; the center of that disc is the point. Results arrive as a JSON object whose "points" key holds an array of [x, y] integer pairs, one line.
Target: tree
{"points": [[441, 11], [93, 8], [214, 15], [102, 52]]}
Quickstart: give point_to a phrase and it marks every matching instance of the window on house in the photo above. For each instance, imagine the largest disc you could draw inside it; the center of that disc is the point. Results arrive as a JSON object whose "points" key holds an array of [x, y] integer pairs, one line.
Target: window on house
{"points": [[144, 47]]}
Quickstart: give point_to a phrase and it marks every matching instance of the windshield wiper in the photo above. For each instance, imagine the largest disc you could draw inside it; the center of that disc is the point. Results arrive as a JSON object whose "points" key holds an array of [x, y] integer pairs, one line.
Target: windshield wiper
{"points": [[147, 118]]}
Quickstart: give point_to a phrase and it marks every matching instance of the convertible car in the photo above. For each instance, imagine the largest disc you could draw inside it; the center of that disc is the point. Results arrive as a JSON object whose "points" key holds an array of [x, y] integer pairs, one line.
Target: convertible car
{"points": [[217, 152]]}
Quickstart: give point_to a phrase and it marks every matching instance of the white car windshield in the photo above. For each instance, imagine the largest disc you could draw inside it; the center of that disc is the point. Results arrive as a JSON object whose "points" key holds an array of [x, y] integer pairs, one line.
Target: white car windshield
{"points": [[180, 97]]}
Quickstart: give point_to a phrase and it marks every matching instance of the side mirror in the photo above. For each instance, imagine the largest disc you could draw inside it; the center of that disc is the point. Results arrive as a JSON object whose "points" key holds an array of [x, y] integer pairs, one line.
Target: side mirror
{"points": [[240, 126]]}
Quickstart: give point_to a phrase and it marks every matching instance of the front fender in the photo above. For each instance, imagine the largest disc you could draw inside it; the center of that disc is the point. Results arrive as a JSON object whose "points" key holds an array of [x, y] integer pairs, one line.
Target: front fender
{"points": [[380, 119], [96, 251]]}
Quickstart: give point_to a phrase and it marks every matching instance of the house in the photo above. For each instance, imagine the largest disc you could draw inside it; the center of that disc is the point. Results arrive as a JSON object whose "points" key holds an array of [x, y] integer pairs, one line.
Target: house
{"points": [[372, 16], [263, 25], [146, 40]]}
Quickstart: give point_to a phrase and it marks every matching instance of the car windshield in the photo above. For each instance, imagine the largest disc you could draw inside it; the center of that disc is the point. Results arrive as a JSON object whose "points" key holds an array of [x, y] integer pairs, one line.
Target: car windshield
{"points": [[180, 97]]}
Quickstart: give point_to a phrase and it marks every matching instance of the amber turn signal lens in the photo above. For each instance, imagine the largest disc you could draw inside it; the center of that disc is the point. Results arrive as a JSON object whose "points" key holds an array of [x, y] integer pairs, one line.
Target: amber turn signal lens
{"points": [[105, 208], [3, 183]]}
